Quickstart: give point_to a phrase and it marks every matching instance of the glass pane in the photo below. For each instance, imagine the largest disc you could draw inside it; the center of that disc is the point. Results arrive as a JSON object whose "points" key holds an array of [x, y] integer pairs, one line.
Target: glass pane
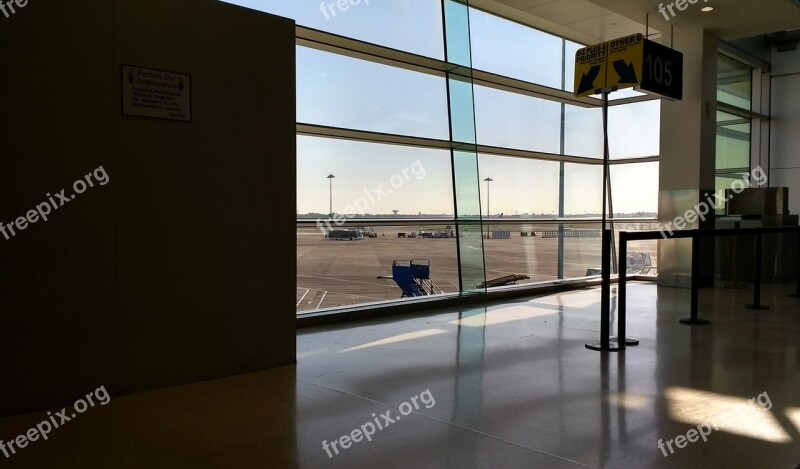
{"points": [[462, 109], [517, 121], [336, 271], [733, 152], [470, 233], [733, 142], [519, 187], [570, 49], [338, 261], [457, 29], [523, 250], [642, 256], [634, 130], [582, 190], [634, 188], [734, 83], [409, 25], [507, 48], [583, 131], [582, 249], [338, 91], [371, 179]]}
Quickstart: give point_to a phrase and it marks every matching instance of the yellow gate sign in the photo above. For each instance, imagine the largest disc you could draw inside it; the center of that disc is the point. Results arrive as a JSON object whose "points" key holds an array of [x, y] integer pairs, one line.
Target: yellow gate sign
{"points": [[625, 62], [613, 64], [590, 69]]}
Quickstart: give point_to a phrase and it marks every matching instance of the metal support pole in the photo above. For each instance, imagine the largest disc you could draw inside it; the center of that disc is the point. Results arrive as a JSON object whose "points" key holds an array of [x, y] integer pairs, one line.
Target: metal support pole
{"points": [[757, 276], [605, 343], [622, 295], [693, 319]]}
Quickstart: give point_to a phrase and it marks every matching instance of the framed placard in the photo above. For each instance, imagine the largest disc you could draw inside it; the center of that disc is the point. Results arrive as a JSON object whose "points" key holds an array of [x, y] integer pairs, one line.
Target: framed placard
{"points": [[159, 94]]}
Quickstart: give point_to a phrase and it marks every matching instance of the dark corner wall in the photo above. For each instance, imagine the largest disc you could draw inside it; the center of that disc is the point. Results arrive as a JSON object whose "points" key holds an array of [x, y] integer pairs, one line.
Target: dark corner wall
{"points": [[181, 267]]}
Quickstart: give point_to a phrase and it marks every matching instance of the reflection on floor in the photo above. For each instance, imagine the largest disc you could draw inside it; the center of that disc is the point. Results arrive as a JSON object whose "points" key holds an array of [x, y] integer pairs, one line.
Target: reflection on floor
{"points": [[500, 385]]}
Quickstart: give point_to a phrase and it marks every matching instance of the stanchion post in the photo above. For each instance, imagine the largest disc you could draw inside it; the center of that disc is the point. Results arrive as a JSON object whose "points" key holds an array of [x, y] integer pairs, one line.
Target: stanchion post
{"points": [[693, 319], [623, 287], [757, 275], [605, 344], [622, 295]]}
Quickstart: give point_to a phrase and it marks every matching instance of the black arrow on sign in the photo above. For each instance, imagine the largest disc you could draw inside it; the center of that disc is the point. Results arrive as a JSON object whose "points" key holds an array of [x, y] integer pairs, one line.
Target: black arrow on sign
{"points": [[626, 72], [587, 80]]}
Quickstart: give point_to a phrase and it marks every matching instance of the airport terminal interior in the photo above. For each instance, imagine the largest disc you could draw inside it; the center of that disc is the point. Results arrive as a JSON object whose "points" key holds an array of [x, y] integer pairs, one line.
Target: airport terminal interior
{"points": [[400, 233]]}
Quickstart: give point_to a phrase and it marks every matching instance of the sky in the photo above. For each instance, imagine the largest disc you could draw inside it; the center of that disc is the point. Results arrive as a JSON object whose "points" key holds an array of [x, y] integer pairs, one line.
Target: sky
{"points": [[340, 91]]}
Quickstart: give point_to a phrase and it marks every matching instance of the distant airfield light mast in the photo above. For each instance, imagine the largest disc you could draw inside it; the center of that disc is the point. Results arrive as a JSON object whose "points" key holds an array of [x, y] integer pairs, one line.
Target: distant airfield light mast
{"points": [[330, 178]]}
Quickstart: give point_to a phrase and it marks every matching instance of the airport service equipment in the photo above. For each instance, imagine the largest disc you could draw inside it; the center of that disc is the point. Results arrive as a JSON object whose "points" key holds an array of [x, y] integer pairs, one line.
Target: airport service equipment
{"points": [[502, 281], [345, 235], [414, 278]]}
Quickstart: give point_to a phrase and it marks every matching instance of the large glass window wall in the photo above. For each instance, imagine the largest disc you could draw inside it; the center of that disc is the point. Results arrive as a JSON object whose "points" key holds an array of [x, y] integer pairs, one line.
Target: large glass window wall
{"points": [[421, 172]]}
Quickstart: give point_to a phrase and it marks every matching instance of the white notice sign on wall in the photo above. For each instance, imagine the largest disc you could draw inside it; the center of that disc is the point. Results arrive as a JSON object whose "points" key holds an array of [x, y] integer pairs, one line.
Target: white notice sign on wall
{"points": [[154, 93]]}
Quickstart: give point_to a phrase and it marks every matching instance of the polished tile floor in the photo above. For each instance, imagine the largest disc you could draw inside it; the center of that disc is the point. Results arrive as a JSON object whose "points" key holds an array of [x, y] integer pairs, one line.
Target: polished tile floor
{"points": [[506, 385]]}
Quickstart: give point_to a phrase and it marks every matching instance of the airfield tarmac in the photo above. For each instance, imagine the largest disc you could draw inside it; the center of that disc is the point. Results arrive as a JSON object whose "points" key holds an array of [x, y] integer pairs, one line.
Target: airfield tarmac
{"points": [[342, 273]]}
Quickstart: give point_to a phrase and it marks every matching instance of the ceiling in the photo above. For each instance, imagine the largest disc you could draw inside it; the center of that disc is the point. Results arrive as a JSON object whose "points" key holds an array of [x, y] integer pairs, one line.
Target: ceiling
{"points": [[600, 20]]}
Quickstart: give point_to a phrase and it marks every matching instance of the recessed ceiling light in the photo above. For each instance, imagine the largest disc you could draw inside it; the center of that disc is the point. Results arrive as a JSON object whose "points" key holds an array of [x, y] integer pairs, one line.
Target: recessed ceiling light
{"points": [[707, 9]]}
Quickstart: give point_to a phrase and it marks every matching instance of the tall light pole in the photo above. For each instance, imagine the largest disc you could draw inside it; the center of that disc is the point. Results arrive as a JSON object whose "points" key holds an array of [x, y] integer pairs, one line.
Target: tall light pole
{"points": [[330, 198], [488, 199]]}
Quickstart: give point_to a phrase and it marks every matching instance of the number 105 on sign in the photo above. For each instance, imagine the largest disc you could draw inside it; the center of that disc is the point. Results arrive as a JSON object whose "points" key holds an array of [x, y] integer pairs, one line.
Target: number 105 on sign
{"points": [[663, 71], [659, 70]]}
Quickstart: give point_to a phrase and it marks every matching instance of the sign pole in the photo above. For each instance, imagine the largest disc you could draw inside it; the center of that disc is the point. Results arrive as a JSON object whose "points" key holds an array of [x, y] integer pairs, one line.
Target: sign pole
{"points": [[605, 343], [625, 62]]}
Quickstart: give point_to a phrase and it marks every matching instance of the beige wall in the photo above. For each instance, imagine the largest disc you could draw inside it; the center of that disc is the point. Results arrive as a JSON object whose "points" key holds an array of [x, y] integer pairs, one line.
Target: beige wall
{"points": [[182, 267], [688, 153]]}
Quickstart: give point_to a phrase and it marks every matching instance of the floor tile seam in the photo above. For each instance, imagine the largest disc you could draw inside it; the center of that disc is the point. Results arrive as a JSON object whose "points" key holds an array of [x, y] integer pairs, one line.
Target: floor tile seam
{"points": [[471, 430], [496, 438]]}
